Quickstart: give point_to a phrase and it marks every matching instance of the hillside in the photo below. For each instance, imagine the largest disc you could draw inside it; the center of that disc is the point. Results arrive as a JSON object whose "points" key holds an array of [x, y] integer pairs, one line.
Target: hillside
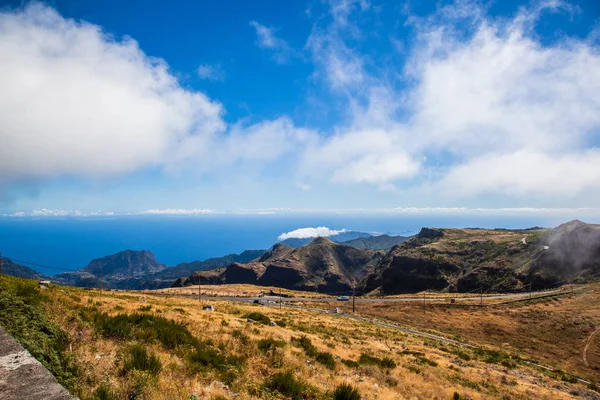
{"points": [[137, 270], [185, 269], [491, 260], [117, 270], [339, 238], [321, 265], [117, 346], [20, 271], [381, 242], [573, 251]]}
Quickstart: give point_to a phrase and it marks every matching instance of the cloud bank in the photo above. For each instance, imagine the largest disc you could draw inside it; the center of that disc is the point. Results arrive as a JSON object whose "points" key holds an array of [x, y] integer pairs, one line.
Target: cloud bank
{"points": [[472, 107], [304, 233], [506, 114], [78, 102]]}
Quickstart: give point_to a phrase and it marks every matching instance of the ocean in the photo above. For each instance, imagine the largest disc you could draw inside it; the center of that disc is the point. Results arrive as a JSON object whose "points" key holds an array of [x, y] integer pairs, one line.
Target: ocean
{"points": [[71, 243]]}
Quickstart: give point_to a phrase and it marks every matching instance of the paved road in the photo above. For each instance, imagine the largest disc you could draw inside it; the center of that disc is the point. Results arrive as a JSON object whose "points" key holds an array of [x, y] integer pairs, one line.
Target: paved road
{"points": [[512, 296]]}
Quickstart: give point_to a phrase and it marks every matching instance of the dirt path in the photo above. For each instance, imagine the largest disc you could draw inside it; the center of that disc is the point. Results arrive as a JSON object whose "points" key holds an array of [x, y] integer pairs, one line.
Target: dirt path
{"points": [[587, 346]]}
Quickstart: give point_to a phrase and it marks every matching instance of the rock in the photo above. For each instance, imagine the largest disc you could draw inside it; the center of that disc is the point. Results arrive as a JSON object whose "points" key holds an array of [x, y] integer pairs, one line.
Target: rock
{"points": [[208, 307], [272, 323], [430, 233]]}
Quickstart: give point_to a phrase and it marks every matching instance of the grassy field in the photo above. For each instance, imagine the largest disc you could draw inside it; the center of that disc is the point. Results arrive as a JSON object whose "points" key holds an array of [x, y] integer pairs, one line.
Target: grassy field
{"points": [[116, 345], [553, 331], [235, 290]]}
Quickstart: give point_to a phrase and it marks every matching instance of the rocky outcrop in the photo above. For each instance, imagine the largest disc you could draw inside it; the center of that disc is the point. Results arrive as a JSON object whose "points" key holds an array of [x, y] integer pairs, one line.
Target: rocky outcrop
{"points": [[322, 265], [430, 233]]}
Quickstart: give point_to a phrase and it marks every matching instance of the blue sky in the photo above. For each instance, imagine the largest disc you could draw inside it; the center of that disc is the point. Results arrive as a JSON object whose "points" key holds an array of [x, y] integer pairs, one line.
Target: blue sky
{"points": [[325, 105]]}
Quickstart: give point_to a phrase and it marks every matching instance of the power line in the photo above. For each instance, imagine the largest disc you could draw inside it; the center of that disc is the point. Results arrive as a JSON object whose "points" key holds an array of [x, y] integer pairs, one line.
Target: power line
{"points": [[40, 265]]}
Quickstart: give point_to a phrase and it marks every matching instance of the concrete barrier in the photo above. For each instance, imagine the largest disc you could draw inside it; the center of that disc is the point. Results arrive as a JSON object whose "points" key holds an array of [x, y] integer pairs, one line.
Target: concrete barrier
{"points": [[23, 377]]}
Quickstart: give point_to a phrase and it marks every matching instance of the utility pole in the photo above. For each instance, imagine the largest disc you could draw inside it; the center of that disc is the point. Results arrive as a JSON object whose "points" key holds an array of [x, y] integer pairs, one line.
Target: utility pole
{"points": [[530, 290], [280, 299], [0, 263], [100, 278], [353, 297], [481, 298], [199, 288]]}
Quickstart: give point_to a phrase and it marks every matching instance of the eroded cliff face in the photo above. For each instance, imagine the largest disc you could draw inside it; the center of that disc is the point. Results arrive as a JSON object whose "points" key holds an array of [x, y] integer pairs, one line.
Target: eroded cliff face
{"points": [[322, 265]]}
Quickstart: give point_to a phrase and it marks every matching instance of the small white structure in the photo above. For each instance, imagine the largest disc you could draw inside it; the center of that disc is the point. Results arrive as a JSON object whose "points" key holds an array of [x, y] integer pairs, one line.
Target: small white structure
{"points": [[44, 284], [208, 307]]}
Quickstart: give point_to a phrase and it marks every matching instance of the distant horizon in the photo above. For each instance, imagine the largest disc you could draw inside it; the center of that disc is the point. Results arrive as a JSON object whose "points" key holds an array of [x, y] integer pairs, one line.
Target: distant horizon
{"points": [[72, 242]]}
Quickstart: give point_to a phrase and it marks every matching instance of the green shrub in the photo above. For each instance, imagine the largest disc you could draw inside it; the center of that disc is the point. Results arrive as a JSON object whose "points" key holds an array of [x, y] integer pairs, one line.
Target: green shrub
{"points": [[236, 333], [140, 360], [386, 362], [346, 392], [306, 344], [425, 361], [208, 356], [349, 363], [414, 369], [326, 359], [145, 308], [258, 317], [287, 384], [23, 317], [144, 327], [268, 344], [104, 393]]}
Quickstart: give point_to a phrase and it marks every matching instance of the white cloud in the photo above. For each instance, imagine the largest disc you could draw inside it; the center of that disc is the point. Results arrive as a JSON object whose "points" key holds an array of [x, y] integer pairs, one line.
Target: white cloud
{"points": [[76, 101], [267, 39], [304, 233], [262, 142], [45, 212], [491, 112], [211, 72], [177, 211], [303, 186]]}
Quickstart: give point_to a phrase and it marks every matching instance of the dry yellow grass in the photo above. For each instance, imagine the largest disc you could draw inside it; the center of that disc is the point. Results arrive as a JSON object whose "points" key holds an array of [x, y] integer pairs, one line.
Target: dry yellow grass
{"points": [[553, 331], [439, 377], [234, 290]]}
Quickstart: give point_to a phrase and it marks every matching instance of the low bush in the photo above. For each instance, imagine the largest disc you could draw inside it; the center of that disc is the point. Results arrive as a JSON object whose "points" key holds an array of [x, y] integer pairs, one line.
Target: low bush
{"points": [[326, 359], [23, 317], [349, 363], [139, 359], [306, 344], [287, 384], [346, 392], [238, 334], [104, 392], [144, 327], [208, 356], [386, 362], [258, 317], [268, 344], [145, 308]]}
